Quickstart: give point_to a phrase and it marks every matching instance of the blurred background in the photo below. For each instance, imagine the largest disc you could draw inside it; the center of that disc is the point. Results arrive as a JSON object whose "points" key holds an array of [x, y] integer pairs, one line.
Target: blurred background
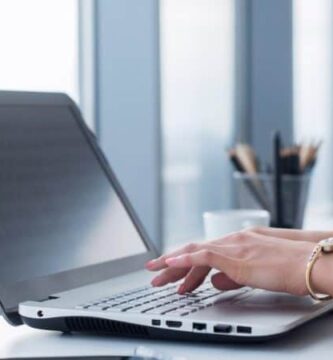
{"points": [[168, 85]]}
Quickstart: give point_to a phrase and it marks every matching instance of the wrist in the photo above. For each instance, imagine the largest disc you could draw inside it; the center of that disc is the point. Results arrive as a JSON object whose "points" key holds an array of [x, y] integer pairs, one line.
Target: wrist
{"points": [[322, 275]]}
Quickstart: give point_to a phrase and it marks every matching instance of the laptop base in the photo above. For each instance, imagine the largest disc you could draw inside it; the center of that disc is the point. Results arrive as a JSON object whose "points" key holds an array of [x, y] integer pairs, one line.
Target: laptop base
{"points": [[89, 325]]}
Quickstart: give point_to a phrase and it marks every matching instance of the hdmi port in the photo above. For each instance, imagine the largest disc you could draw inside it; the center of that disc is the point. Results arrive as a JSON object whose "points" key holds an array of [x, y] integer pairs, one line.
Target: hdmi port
{"points": [[173, 324]]}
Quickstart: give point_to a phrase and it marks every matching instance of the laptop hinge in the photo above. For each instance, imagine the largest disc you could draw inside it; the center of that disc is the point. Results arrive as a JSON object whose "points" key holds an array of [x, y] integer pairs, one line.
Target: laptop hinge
{"points": [[12, 316], [51, 297]]}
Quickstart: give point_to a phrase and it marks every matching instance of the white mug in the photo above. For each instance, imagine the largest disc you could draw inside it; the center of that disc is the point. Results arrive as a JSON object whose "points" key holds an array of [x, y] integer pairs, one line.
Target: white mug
{"points": [[220, 223]]}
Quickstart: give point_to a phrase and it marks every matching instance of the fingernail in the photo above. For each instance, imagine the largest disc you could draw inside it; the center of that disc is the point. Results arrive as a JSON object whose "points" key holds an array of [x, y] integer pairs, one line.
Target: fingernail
{"points": [[181, 289], [156, 281], [149, 264]]}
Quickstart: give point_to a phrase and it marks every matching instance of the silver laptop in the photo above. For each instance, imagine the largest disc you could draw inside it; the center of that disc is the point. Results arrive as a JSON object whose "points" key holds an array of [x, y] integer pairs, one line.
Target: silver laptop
{"points": [[73, 250]]}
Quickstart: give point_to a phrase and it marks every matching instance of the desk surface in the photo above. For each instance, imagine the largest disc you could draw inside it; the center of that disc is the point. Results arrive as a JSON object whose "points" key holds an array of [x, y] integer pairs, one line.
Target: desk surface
{"points": [[315, 339]]}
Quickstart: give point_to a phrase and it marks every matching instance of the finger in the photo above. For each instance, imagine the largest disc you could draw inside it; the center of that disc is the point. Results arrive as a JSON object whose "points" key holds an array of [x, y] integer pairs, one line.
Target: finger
{"points": [[168, 276], [195, 277], [160, 264], [233, 268], [209, 258], [222, 282]]}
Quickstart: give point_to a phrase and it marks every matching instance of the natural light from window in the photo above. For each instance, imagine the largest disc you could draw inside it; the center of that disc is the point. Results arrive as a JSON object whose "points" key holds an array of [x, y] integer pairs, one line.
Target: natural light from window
{"points": [[197, 86], [39, 46], [312, 21]]}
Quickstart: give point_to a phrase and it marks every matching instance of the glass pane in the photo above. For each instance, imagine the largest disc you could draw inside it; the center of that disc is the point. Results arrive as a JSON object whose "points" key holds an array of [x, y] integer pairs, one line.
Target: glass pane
{"points": [[39, 45], [197, 64], [313, 21]]}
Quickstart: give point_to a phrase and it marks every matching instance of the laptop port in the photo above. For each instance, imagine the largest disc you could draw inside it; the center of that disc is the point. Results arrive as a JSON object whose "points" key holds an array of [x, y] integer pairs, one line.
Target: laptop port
{"points": [[199, 326], [244, 329], [173, 324], [156, 322], [222, 328]]}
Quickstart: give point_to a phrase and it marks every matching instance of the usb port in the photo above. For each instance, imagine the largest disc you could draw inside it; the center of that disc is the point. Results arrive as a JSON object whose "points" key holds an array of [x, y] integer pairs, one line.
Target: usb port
{"points": [[222, 328], [244, 329], [199, 326], [155, 322], [173, 324]]}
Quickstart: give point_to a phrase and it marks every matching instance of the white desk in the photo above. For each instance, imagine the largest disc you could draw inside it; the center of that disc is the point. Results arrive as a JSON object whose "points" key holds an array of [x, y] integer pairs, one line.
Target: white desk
{"points": [[309, 342]]}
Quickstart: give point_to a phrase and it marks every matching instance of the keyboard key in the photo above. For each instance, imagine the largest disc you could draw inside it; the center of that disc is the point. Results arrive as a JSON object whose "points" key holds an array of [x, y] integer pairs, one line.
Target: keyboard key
{"points": [[95, 308], [135, 310], [184, 313], [175, 313], [190, 310], [154, 312], [127, 308], [114, 310], [165, 311], [147, 309]]}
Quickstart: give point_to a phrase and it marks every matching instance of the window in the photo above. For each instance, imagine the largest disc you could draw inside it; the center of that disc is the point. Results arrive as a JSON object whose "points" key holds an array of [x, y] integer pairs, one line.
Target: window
{"points": [[312, 21], [197, 76], [39, 45]]}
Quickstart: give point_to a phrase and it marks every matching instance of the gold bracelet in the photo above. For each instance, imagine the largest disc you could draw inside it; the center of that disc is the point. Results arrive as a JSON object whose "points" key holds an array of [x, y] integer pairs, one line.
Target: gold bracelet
{"points": [[323, 247]]}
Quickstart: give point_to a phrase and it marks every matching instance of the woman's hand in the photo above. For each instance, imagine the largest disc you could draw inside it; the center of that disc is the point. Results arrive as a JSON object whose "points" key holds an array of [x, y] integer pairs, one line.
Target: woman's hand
{"points": [[246, 258]]}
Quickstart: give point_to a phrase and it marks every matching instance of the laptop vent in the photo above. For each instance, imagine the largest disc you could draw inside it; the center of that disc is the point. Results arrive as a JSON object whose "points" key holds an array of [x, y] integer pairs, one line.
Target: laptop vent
{"points": [[85, 324]]}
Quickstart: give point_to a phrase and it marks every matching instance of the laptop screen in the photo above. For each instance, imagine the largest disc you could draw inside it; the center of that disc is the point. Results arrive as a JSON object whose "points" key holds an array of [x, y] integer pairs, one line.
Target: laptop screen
{"points": [[58, 209]]}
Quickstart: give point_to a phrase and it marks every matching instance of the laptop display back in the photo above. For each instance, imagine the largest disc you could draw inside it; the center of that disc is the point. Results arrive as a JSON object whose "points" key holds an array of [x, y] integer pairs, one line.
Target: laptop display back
{"points": [[65, 222]]}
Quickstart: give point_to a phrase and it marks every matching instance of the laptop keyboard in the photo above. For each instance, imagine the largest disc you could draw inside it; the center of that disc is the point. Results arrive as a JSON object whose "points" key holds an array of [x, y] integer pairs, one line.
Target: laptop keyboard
{"points": [[156, 301]]}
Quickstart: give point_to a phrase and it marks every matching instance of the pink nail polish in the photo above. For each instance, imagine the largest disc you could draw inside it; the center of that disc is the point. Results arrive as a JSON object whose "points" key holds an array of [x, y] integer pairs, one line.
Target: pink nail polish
{"points": [[150, 263], [155, 281]]}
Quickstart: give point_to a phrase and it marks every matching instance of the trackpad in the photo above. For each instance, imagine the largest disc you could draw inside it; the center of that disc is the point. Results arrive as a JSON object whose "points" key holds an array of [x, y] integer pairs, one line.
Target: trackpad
{"points": [[262, 298]]}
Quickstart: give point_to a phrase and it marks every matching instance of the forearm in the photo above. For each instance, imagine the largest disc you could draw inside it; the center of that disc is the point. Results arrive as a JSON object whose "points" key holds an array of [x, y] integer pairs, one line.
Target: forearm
{"points": [[322, 275]]}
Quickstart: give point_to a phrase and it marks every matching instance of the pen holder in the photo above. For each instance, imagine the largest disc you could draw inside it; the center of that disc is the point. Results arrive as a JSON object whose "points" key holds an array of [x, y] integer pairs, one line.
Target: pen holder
{"points": [[257, 192]]}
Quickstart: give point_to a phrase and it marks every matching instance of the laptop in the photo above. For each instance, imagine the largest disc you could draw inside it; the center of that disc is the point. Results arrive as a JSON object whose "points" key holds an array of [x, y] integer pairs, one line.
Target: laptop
{"points": [[73, 250]]}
